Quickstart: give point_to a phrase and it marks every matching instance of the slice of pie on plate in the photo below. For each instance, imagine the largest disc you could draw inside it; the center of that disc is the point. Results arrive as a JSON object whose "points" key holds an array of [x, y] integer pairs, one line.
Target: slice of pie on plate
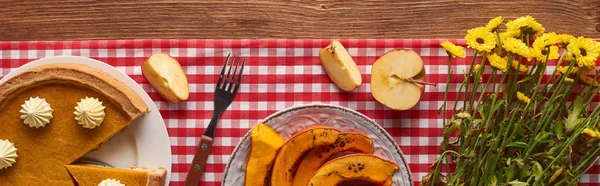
{"points": [[91, 175], [44, 152]]}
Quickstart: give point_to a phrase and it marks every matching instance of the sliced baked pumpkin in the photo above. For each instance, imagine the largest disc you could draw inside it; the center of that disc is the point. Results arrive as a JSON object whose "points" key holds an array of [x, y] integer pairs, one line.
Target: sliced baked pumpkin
{"points": [[312, 161], [363, 167], [265, 144], [291, 152]]}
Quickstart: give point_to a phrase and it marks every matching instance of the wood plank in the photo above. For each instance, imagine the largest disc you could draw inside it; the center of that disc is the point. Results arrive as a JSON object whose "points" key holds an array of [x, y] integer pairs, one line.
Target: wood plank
{"points": [[229, 19]]}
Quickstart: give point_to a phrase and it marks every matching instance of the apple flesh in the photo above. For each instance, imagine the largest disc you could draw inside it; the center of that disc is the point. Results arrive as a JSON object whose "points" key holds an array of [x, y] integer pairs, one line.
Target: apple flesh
{"points": [[398, 79], [166, 75], [340, 66]]}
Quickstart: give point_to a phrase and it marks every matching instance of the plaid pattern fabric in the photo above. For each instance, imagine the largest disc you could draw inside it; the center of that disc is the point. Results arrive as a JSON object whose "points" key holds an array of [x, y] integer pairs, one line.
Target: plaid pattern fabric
{"points": [[279, 74]]}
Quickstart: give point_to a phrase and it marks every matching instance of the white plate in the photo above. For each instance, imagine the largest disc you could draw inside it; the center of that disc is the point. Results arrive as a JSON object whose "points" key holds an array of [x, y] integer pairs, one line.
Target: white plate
{"points": [[291, 120], [145, 142]]}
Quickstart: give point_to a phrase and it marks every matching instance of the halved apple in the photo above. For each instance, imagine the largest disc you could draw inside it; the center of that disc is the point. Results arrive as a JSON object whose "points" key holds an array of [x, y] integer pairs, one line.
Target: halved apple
{"points": [[316, 157], [340, 66], [398, 78], [265, 144], [355, 167], [166, 75], [291, 152]]}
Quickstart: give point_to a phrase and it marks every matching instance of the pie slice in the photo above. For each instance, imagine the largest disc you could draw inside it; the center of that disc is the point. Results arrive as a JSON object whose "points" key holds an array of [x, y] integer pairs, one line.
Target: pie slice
{"points": [[44, 152], [90, 175]]}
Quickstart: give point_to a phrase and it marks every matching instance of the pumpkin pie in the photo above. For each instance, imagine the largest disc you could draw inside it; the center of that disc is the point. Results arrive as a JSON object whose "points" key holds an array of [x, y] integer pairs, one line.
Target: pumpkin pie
{"points": [[44, 152], [91, 175]]}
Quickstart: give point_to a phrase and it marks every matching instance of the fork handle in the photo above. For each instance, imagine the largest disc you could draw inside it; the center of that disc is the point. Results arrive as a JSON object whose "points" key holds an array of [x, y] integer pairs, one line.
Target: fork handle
{"points": [[199, 163]]}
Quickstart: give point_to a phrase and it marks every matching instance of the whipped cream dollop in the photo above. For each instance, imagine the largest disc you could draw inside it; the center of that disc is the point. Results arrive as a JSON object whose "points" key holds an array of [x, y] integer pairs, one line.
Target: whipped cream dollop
{"points": [[89, 112], [8, 154], [36, 112], [110, 182]]}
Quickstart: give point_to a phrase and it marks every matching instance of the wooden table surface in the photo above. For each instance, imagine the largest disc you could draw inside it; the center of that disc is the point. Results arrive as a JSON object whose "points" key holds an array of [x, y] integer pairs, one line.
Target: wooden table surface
{"points": [[227, 19]]}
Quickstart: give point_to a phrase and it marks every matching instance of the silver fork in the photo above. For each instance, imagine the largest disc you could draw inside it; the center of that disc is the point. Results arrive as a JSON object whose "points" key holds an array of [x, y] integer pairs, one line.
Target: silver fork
{"points": [[225, 91]]}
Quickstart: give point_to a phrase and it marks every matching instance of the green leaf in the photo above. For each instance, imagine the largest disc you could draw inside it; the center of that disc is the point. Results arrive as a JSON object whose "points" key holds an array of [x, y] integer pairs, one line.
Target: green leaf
{"points": [[558, 130], [518, 183], [493, 181], [573, 117], [518, 144], [510, 172], [537, 170], [528, 78], [486, 136], [543, 137]]}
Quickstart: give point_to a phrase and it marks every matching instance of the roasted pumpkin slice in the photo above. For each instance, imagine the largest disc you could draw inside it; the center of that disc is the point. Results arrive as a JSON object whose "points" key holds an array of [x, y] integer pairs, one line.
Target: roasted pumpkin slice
{"points": [[313, 160], [265, 144], [291, 152], [354, 167]]}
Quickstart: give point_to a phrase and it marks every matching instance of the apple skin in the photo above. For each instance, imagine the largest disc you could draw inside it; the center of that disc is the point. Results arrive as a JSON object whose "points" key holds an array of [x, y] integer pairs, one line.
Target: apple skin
{"points": [[340, 66], [166, 75], [388, 79]]}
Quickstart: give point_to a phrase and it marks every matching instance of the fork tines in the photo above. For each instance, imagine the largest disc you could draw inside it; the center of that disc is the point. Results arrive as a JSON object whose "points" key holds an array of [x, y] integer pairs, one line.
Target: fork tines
{"points": [[230, 79]]}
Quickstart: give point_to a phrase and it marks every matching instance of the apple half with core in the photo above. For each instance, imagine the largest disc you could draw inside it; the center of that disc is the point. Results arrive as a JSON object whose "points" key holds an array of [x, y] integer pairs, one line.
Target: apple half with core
{"points": [[398, 79], [166, 75], [340, 66]]}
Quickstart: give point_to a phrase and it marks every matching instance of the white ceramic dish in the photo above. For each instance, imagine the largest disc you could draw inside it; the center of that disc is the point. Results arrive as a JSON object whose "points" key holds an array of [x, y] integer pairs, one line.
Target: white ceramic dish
{"points": [[145, 142], [291, 120]]}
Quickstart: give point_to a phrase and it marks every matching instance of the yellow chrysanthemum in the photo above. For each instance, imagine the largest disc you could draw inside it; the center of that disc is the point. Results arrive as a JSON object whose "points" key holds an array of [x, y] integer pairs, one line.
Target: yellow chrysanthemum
{"points": [[569, 56], [546, 40], [585, 51], [476, 68], [508, 34], [521, 68], [590, 133], [541, 44], [542, 53], [525, 25], [454, 50], [493, 24], [480, 39], [564, 39], [497, 62], [569, 80], [516, 46], [563, 69], [522, 97], [588, 80]]}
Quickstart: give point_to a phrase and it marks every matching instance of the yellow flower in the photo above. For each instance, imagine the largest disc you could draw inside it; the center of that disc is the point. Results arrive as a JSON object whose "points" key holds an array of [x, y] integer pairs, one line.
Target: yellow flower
{"points": [[480, 39], [542, 53], [564, 39], [569, 57], [477, 67], [569, 80], [521, 68], [494, 23], [525, 25], [516, 46], [546, 40], [589, 132], [522, 97], [588, 80], [497, 62], [585, 51], [563, 69], [508, 34], [453, 50]]}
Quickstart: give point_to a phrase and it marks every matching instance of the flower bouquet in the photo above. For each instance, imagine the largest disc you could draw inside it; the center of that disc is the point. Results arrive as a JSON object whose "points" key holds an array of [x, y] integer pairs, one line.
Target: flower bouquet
{"points": [[524, 113]]}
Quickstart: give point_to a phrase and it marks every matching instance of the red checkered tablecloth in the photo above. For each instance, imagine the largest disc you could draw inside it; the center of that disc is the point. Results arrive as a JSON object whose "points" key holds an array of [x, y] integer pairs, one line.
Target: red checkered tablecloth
{"points": [[279, 74]]}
